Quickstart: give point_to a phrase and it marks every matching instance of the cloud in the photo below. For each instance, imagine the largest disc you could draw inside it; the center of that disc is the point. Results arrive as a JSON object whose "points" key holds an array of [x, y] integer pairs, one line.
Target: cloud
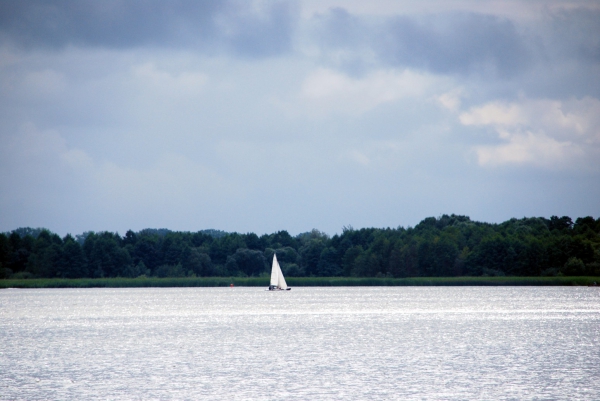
{"points": [[43, 174], [542, 132], [258, 115], [381, 155], [45, 83], [528, 148], [326, 91], [248, 29], [555, 53], [172, 181], [150, 77], [258, 31], [574, 33], [450, 100], [460, 43], [451, 43], [40, 149], [494, 113]]}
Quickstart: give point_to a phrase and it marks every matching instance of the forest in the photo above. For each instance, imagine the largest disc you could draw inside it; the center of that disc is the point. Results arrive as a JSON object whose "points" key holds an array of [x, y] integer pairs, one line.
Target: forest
{"points": [[446, 246]]}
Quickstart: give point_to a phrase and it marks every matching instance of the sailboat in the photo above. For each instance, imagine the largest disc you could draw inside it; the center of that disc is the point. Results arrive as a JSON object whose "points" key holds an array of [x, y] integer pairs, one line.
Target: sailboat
{"points": [[277, 280]]}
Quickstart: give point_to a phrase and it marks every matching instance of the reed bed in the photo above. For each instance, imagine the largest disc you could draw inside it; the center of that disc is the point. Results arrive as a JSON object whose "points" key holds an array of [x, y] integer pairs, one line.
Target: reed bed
{"points": [[296, 282]]}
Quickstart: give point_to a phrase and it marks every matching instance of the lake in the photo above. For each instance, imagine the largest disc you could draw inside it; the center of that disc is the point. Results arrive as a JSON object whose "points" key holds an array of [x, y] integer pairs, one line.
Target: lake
{"points": [[452, 343]]}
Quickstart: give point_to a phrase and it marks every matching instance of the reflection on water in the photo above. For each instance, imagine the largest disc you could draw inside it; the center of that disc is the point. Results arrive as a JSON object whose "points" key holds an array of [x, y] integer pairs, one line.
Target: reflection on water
{"points": [[308, 343]]}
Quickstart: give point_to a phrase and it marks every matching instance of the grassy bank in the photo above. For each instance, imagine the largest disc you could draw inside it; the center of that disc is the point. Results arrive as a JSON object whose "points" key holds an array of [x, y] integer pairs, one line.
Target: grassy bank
{"points": [[296, 282]]}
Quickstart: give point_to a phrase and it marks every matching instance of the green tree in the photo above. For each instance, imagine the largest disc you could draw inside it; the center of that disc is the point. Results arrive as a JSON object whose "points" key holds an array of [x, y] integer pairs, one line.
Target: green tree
{"points": [[20, 250], [247, 261], [5, 272], [72, 262], [349, 259], [198, 262], [130, 238], [560, 223], [146, 250], [310, 254], [574, 267], [105, 256], [225, 246], [328, 263], [368, 264], [446, 252], [45, 256]]}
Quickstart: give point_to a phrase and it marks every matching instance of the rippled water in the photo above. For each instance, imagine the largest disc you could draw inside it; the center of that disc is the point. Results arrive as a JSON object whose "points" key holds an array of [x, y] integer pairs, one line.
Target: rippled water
{"points": [[308, 343]]}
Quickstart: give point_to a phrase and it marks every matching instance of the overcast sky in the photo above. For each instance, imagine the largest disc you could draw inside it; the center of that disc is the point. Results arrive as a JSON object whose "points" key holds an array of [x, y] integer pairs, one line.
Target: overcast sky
{"points": [[264, 116]]}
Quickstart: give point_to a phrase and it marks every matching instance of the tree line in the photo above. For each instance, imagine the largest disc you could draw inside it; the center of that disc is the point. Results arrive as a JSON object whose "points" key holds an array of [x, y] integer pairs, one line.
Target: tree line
{"points": [[445, 246]]}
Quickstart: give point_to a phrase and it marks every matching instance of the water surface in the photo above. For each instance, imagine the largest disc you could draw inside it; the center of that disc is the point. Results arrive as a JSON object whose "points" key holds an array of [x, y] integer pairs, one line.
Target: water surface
{"points": [[309, 343]]}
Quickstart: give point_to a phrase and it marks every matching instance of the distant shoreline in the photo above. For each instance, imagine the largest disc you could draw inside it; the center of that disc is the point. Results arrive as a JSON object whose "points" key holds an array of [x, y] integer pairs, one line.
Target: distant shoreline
{"points": [[297, 281]]}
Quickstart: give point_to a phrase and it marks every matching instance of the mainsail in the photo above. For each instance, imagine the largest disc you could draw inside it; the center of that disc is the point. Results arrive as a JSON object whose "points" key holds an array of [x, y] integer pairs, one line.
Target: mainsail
{"points": [[277, 279]]}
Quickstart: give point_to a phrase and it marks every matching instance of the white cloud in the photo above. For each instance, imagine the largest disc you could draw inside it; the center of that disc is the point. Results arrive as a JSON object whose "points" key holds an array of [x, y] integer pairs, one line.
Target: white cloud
{"points": [[496, 113], [184, 138], [183, 83], [450, 100], [536, 149], [542, 132], [326, 91]]}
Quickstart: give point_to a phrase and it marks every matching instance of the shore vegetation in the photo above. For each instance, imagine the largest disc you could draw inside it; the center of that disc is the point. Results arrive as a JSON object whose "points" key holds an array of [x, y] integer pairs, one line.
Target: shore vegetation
{"points": [[120, 282], [453, 248]]}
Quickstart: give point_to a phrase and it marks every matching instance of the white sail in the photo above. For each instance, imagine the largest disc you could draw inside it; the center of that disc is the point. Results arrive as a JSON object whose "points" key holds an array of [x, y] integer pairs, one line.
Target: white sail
{"points": [[274, 271], [277, 278], [280, 280]]}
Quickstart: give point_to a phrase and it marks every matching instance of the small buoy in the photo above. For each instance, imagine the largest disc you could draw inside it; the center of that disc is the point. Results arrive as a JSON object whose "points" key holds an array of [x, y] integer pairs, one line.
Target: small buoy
{"points": [[231, 285]]}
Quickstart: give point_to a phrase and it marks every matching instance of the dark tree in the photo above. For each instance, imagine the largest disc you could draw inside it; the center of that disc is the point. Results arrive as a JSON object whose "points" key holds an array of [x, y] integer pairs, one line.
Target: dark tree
{"points": [[247, 261], [560, 223], [328, 263], [310, 254], [72, 263]]}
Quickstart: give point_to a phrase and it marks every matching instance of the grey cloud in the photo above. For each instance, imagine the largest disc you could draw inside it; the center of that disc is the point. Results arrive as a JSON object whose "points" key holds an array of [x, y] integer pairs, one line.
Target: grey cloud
{"points": [[340, 29], [462, 43], [256, 36], [459, 43], [209, 25], [575, 34], [564, 49], [346, 40]]}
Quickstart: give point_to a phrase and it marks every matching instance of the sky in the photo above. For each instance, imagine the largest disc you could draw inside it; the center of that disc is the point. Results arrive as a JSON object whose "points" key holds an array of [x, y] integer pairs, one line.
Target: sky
{"points": [[260, 116]]}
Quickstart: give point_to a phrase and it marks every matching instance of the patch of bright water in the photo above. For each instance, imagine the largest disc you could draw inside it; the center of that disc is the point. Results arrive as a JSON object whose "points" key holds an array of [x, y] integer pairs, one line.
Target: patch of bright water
{"points": [[308, 343]]}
